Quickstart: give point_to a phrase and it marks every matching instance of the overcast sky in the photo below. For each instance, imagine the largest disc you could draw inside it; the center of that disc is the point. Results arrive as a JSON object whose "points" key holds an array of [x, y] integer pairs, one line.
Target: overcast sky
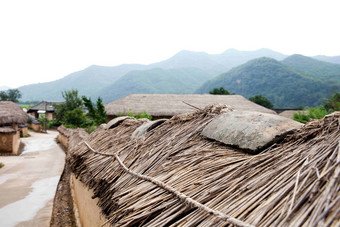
{"points": [[46, 40]]}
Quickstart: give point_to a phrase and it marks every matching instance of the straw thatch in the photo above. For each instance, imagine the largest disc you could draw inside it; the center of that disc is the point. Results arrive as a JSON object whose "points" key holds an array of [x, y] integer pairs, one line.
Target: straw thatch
{"points": [[173, 176], [168, 105], [11, 113]]}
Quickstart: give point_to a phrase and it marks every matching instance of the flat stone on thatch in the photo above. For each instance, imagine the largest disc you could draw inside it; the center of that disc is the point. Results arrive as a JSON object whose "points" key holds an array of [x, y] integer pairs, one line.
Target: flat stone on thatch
{"points": [[251, 131], [146, 127], [116, 121]]}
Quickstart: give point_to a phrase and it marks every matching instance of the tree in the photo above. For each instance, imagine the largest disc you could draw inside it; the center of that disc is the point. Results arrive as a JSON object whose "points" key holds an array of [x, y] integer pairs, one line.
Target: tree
{"points": [[70, 112], [333, 104], [72, 100], [3, 96], [219, 91], [261, 100], [10, 95], [98, 115], [101, 111]]}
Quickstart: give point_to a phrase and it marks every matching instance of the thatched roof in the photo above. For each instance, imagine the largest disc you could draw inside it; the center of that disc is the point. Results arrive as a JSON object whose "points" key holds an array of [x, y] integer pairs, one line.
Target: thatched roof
{"points": [[168, 105], [295, 182], [44, 105], [11, 113]]}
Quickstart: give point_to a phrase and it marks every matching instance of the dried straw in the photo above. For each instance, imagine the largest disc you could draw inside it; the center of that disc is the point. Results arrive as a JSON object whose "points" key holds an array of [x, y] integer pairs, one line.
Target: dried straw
{"points": [[11, 113], [294, 182]]}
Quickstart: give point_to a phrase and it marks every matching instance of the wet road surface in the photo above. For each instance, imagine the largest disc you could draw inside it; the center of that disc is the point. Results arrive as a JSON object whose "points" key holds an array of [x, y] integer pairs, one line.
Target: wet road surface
{"points": [[28, 182]]}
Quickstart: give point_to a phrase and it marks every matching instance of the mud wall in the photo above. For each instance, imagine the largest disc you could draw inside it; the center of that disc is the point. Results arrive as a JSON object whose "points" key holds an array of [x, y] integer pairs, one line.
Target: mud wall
{"points": [[63, 140], [86, 210], [24, 132], [6, 142], [35, 127], [10, 142], [16, 142]]}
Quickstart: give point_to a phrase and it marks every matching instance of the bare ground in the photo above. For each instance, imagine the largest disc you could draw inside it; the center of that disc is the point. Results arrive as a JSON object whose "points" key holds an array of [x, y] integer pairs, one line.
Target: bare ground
{"points": [[62, 214]]}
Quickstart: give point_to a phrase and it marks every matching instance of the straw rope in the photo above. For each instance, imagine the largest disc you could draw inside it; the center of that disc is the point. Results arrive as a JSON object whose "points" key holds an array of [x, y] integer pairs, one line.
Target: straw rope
{"points": [[180, 196]]}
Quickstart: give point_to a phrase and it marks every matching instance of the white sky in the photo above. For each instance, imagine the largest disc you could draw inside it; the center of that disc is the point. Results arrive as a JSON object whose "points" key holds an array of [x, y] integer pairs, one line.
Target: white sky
{"points": [[44, 40]]}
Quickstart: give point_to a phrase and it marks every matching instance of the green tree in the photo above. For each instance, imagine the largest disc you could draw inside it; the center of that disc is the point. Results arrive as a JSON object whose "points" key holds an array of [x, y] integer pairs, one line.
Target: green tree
{"points": [[101, 111], [75, 117], [70, 112], [3, 96], [10, 95], [333, 104], [98, 114], [91, 110], [72, 100], [261, 100], [219, 91]]}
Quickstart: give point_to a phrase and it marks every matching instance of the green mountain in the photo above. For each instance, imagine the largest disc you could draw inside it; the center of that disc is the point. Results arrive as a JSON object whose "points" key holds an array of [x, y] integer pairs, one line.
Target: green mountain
{"points": [[282, 85], [156, 81], [88, 82], [314, 68]]}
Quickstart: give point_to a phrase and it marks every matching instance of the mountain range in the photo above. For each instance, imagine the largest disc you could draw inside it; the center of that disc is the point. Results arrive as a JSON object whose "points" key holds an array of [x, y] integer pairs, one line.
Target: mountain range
{"points": [[186, 72], [95, 81]]}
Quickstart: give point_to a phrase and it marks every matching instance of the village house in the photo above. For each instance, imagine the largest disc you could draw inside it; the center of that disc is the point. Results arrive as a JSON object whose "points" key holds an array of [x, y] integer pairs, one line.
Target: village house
{"points": [[44, 107], [168, 105], [11, 116]]}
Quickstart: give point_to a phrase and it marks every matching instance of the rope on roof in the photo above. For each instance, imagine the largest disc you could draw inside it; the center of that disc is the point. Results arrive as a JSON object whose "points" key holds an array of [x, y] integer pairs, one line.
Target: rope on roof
{"points": [[180, 196]]}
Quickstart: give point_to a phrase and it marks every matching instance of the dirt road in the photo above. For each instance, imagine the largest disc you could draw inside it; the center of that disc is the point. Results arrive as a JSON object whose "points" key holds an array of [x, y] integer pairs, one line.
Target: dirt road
{"points": [[28, 182]]}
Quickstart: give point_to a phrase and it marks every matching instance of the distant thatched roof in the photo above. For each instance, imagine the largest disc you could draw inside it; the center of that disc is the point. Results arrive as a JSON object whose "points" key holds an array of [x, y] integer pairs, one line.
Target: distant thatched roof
{"points": [[168, 105], [294, 182], [47, 106], [11, 113]]}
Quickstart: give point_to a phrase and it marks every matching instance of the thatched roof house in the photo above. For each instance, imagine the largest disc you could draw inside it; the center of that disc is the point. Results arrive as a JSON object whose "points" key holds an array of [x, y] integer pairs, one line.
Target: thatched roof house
{"points": [[168, 105], [11, 115], [174, 176], [44, 107]]}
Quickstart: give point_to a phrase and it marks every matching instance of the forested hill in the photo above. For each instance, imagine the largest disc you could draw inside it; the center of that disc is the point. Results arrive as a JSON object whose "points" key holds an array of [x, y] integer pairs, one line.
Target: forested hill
{"points": [[314, 68], [282, 85]]}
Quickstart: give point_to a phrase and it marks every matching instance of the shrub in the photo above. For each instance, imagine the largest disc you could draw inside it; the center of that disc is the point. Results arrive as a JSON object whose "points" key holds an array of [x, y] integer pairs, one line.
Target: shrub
{"points": [[313, 113], [330, 105], [139, 115]]}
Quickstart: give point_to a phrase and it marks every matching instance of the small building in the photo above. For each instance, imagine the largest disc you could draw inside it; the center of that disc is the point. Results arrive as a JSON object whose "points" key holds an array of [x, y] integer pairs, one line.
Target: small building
{"points": [[169, 105], [11, 116], [44, 107], [34, 124]]}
